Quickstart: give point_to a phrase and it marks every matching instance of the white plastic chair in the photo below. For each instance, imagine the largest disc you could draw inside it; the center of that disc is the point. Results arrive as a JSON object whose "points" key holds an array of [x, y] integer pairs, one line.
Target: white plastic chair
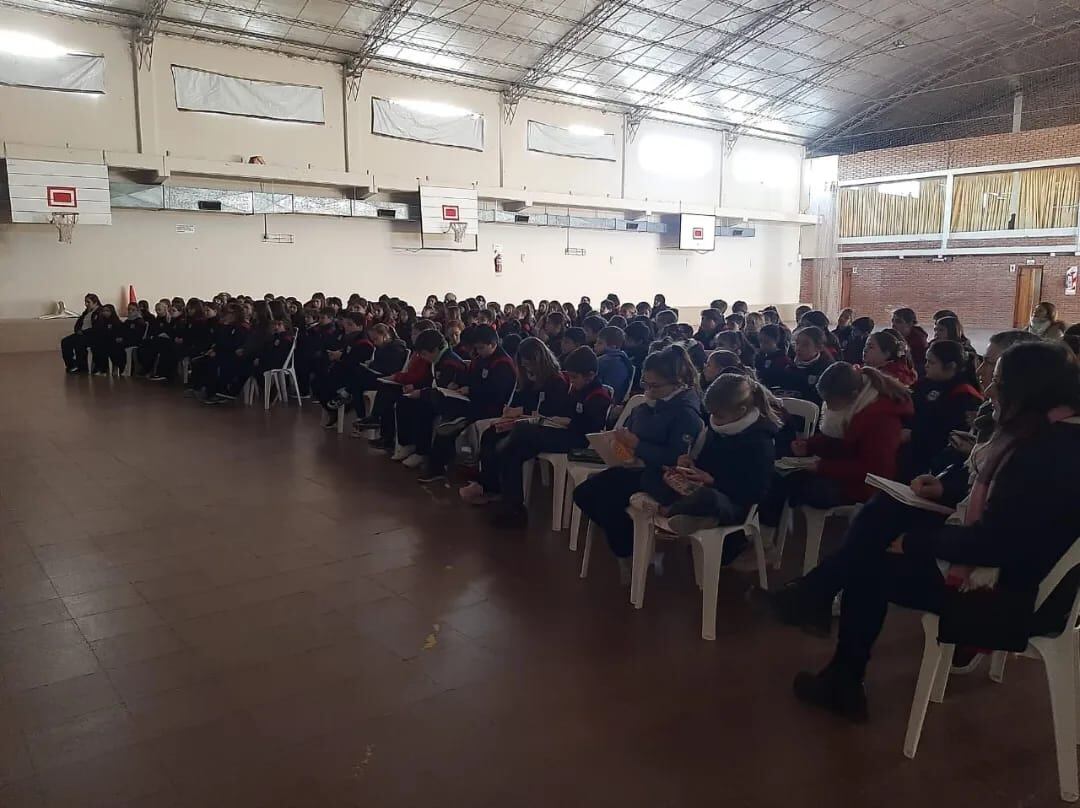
{"points": [[590, 527], [369, 398], [281, 377], [807, 410], [577, 473], [815, 519], [1059, 654], [131, 351]]}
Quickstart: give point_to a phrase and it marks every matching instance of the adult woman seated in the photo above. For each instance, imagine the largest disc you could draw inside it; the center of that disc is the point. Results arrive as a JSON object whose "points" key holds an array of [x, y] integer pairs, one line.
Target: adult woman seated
{"points": [[74, 346], [1017, 519]]}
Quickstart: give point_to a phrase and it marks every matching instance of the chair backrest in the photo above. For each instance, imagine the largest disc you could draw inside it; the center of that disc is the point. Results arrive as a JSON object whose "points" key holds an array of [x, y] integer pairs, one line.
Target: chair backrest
{"points": [[807, 410], [1066, 564], [292, 351], [699, 442], [629, 387], [408, 356], [629, 408]]}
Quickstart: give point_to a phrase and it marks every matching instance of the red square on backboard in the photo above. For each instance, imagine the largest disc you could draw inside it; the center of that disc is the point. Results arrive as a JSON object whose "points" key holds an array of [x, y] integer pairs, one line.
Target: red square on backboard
{"points": [[451, 213], [61, 196], [698, 233]]}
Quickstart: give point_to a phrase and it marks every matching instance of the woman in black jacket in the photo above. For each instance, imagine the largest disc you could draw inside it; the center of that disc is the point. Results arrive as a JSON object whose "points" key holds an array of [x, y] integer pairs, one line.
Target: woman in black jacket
{"points": [[73, 347], [107, 341], [1016, 519]]}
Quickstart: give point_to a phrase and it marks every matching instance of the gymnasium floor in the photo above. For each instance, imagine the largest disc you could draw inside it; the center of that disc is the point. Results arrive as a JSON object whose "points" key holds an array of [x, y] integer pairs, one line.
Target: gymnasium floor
{"points": [[226, 607]]}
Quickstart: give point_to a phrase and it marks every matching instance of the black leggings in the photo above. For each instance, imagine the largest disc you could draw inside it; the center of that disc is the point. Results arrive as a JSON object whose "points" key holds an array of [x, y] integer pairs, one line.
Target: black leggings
{"points": [[604, 498], [502, 456], [801, 488], [73, 350], [108, 351]]}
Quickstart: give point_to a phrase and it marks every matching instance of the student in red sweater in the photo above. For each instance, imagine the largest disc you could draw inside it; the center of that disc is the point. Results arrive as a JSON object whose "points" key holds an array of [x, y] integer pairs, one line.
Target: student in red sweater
{"points": [[905, 321], [861, 426], [887, 352]]}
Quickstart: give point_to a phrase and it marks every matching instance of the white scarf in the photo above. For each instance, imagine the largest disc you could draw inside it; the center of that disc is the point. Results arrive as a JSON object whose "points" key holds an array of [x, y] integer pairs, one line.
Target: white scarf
{"points": [[1039, 326], [801, 364], [834, 423], [735, 427]]}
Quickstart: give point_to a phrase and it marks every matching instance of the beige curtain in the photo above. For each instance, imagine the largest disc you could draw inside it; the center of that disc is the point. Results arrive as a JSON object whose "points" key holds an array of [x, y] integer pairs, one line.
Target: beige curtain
{"points": [[867, 211], [1048, 197], [981, 202]]}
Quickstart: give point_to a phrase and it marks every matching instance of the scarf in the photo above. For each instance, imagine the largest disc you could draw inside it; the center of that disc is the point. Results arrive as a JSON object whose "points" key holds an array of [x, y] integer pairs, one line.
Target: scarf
{"points": [[834, 423], [1039, 326], [801, 364], [735, 427]]}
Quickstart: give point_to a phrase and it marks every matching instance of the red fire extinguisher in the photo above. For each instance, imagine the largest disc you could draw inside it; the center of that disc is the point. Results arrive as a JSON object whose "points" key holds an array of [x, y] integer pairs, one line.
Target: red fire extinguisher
{"points": [[498, 263]]}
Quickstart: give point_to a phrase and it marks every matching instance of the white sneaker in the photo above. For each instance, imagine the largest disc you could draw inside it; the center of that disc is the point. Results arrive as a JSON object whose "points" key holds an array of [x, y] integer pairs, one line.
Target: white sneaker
{"points": [[402, 453], [413, 461]]}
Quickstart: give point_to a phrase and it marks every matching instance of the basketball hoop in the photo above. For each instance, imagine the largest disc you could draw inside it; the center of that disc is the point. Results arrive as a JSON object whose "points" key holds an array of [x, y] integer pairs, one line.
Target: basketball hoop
{"points": [[457, 229], [65, 224]]}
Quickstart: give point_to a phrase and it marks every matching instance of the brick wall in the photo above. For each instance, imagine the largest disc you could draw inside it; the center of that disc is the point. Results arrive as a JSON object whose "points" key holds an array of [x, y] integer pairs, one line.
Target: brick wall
{"points": [[980, 289], [1020, 147]]}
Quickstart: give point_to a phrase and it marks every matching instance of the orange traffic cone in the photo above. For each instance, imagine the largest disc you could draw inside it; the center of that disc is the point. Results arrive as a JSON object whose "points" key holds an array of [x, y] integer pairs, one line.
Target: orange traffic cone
{"points": [[131, 295]]}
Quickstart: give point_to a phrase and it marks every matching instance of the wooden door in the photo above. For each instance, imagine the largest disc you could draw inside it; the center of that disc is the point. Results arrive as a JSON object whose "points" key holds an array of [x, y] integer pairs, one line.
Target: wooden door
{"points": [[1028, 293]]}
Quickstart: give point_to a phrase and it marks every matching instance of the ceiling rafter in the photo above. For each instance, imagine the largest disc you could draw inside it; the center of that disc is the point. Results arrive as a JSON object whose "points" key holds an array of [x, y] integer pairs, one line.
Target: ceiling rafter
{"points": [[545, 65], [378, 35], [149, 20], [848, 126]]}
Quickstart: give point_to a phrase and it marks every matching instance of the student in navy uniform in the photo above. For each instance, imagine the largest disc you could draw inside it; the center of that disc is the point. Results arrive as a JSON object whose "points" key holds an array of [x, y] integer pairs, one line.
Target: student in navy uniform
{"points": [[593, 325], [416, 375], [944, 402], [331, 386], [572, 339], [553, 329], [638, 336], [417, 410], [491, 381], [614, 367], [215, 370], [851, 350], [583, 412], [74, 346], [657, 433], [107, 341], [319, 339], [772, 362], [811, 360], [712, 323]]}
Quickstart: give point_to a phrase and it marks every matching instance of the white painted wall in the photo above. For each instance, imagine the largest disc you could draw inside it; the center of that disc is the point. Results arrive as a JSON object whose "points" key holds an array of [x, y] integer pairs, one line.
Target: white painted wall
{"points": [[72, 120], [699, 182], [341, 256], [763, 174]]}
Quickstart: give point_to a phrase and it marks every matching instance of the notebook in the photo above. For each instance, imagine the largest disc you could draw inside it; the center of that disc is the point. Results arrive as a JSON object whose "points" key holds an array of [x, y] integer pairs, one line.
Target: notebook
{"points": [[612, 452], [446, 391], [903, 493], [786, 465]]}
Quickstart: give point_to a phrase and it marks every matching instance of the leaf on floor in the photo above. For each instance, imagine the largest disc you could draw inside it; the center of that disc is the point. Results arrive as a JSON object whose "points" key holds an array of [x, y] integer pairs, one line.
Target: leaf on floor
{"points": [[432, 639]]}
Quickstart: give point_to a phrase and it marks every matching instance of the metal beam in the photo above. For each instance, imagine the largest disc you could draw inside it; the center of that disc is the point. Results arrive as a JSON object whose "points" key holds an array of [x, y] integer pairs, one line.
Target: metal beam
{"points": [[145, 31], [545, 66], [375, 37], [848, 126]]}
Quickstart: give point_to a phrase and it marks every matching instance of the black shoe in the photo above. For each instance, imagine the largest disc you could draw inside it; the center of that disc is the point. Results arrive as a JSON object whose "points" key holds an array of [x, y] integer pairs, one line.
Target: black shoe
{"points": [[792, 605], [430, 474], [834, 690], [73, 371], [511, 517]]}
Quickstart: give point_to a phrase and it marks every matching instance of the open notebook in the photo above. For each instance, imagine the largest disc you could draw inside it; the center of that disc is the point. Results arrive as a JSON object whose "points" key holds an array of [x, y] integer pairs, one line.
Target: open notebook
{"points": [[903, 493], [446, 391], [612, 452], [786, 465]]}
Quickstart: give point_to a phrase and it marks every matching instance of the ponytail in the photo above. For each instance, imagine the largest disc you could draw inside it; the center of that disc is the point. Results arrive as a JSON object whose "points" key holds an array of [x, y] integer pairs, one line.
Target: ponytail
{"points": [[733, 390], [885, 385]]}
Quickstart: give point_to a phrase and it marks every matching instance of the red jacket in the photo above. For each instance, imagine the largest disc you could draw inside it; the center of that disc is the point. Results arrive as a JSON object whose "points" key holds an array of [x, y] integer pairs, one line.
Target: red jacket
{"points": [[901, 371], [917, 342], [417, 372], [869, 446]]}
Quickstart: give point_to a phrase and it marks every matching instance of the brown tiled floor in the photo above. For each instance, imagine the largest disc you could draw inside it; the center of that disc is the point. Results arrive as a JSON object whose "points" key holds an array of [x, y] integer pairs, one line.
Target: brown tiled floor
{"points": [[204, 607]]}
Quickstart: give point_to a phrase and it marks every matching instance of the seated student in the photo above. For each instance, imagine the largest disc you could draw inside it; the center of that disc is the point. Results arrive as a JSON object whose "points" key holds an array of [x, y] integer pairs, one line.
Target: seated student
{"points": [[905, 321], [844, 325], [491, 381], [861, 425], [147, 354], [572, 339], [733, 470], [752, 329], [949, 328], [275, 350], [712, 322], [136, 326], [214, 377], [636, 345], [1016, 519], [720, 306], [852, 350], [107, 342], [615, 369], [593, 325], [772, 362], [944, 402], [417, 410], [740, 307], [554, 326], [811, 361], [332, 386], [416, 376], [322, 337], [821, 320], [567, 420], [735, 342], [163, 351], [74, 346], [887, 352], [1044, 322], [657, 434], [735, 322], [664, 318], [720, 362]]}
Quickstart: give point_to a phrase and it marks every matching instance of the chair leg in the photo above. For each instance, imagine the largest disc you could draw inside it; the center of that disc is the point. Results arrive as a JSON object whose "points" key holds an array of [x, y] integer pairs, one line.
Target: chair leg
{"points": [[558, 493], [997, 666], [590, 529], [699, 563], [268, 379], [941, 677], [545, 474], [712, 552], [282, 389], [527, 479], [568, 507], [759, 553], [296, 387], [340, 418], [1059, 656], [644, 542], [815, 527], [783, 527], [575, 524], [932, 653]]}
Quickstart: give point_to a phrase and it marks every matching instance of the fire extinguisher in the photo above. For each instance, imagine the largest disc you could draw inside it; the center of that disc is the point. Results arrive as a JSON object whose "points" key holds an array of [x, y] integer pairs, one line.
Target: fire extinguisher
{"points": [[498, 263]]}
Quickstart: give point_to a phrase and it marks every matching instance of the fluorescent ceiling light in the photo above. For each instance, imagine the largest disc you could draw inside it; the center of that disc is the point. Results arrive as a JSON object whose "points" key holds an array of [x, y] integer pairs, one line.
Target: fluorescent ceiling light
{"points": [[34, 47], [586, 131], [675, 157], [910, 188], [436, 108]]}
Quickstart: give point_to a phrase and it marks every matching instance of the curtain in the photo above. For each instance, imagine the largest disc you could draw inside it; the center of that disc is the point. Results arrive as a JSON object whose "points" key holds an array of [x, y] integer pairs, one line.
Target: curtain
{"points": [[1048, 197], [981, 201], [545, 137], [200, 91], [73, 72], [441, 127], [907, 208]]}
